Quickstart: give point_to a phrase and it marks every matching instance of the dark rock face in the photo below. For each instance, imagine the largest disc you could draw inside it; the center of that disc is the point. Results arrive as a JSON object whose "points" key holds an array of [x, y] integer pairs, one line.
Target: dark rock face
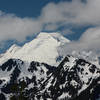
{"points": [[18, 72], [73, 79], [2, 97]]}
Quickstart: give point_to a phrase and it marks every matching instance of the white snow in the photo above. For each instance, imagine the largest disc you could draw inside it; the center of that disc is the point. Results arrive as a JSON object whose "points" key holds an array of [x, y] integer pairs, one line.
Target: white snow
{"points": [[44, 48], [70, 63], [64, 95]]}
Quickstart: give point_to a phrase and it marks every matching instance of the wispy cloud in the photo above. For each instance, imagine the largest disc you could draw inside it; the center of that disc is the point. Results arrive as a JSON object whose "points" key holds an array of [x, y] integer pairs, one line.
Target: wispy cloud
{"points": [[13, 27], [75, 12]]}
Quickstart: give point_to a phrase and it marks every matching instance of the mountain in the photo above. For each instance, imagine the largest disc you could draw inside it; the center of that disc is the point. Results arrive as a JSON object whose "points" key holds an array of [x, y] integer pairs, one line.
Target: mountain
{"points": [[44, 48], [16, 74], [39, 71], [72, 79]]}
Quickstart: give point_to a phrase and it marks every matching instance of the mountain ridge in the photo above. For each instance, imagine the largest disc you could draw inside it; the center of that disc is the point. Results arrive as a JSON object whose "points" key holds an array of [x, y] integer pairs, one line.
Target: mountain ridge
{"points": [[70, 80]]}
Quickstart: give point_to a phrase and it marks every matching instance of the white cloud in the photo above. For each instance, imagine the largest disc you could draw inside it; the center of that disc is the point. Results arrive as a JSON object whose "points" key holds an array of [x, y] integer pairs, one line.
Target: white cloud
{"points": [[90, 40], [75, 12], [12, 27]]}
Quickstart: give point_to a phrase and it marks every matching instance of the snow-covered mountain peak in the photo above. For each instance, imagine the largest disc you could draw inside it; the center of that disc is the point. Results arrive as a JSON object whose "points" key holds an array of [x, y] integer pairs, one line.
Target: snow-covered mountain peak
{"points": [[44, 48], [55, 35], [43, 35]]}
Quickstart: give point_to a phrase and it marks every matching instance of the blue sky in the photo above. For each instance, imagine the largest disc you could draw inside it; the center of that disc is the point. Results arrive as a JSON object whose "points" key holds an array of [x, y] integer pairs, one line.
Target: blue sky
{"points": [[21, 20], [25, 8]]}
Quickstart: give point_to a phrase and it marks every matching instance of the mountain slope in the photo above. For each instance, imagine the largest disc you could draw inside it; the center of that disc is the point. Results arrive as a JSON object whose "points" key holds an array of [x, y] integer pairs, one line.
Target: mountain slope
{"points": [[44, 48], [73, 79], [18, 74]]}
